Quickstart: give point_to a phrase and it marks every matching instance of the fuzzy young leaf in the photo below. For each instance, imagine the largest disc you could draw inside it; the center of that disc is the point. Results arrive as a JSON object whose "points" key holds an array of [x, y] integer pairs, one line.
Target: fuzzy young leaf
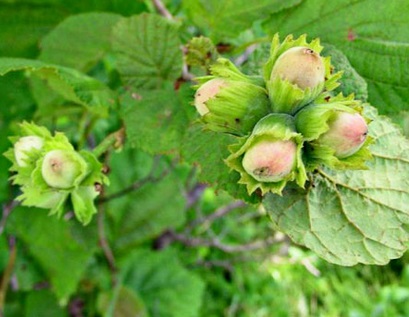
{"points": [[353, 216]]}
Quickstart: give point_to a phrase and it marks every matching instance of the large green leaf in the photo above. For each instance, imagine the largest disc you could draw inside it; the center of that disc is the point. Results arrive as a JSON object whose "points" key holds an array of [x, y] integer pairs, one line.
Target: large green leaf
{"points": [[69, 83], [221, 19], [79, 41], [62, 248], [22, 25], [166, 287], [354, 216], [156, 120], [148, 51], [372, 34]]}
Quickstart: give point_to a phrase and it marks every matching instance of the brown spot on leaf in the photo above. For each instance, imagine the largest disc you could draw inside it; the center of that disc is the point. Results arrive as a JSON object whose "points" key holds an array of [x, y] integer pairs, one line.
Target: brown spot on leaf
{"points": [[351, 35]]}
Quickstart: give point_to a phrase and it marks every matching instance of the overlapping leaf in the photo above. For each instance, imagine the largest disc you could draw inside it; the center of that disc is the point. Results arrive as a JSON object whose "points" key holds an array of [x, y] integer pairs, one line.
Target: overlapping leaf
{"points": [[79, 41], [354, 216], [62, 249], [227, 18], [69, 83], [22, 25], [147, 212], [208, 150]]}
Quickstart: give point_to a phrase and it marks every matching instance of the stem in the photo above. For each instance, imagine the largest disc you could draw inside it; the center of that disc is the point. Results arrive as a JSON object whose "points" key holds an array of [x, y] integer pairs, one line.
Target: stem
{"points": [[162, 9], [7, 209], [220, 212], [244, 57], [190, 241], [103, 242], [135, 186], [115, 140], [7, 274]]}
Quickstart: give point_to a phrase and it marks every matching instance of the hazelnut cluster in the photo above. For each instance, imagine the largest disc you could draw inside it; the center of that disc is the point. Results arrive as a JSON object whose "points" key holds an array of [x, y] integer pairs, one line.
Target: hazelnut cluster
{"points": [[49, 170], [288, 121]]}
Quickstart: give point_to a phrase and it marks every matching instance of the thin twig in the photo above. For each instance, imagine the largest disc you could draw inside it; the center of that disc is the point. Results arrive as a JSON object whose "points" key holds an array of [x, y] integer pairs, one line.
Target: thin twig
{"points": [[7, 209], [220, 212], [135, 186], [186, 75], [190, 241], [227, 265], [103, 242], [162, 9], [244, 57], [194, 194]]}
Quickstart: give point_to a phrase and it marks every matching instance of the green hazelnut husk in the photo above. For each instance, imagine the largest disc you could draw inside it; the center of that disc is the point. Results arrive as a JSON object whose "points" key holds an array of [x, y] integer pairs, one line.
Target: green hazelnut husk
{"points": [[336, 133], [270, 157], [230, 101], [296, 73]]}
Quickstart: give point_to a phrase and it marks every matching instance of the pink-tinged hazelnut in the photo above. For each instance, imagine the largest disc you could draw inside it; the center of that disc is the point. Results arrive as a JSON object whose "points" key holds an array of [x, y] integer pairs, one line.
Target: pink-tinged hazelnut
{"points": [[270, 161]]}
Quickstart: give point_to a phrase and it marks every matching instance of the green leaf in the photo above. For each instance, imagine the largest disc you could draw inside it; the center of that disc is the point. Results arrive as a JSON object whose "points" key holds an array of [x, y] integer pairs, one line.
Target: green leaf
{"points": [[43, 303], [351, 81], [143, 214], [221, 19], [354, 216], [148, 51], [80, 41], [167, 288], [208, 150], [83, 202], [63, 252], [156, 120], [22, 25], [374, 41], [71, 84], [122, 302]]}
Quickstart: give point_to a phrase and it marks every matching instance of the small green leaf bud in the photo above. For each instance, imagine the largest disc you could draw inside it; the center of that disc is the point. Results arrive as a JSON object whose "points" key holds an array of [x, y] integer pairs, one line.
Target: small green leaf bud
{"points": [[62, 168], [24, 145], [270, 161], [207, 91], [300, 66], [346, 134]]}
